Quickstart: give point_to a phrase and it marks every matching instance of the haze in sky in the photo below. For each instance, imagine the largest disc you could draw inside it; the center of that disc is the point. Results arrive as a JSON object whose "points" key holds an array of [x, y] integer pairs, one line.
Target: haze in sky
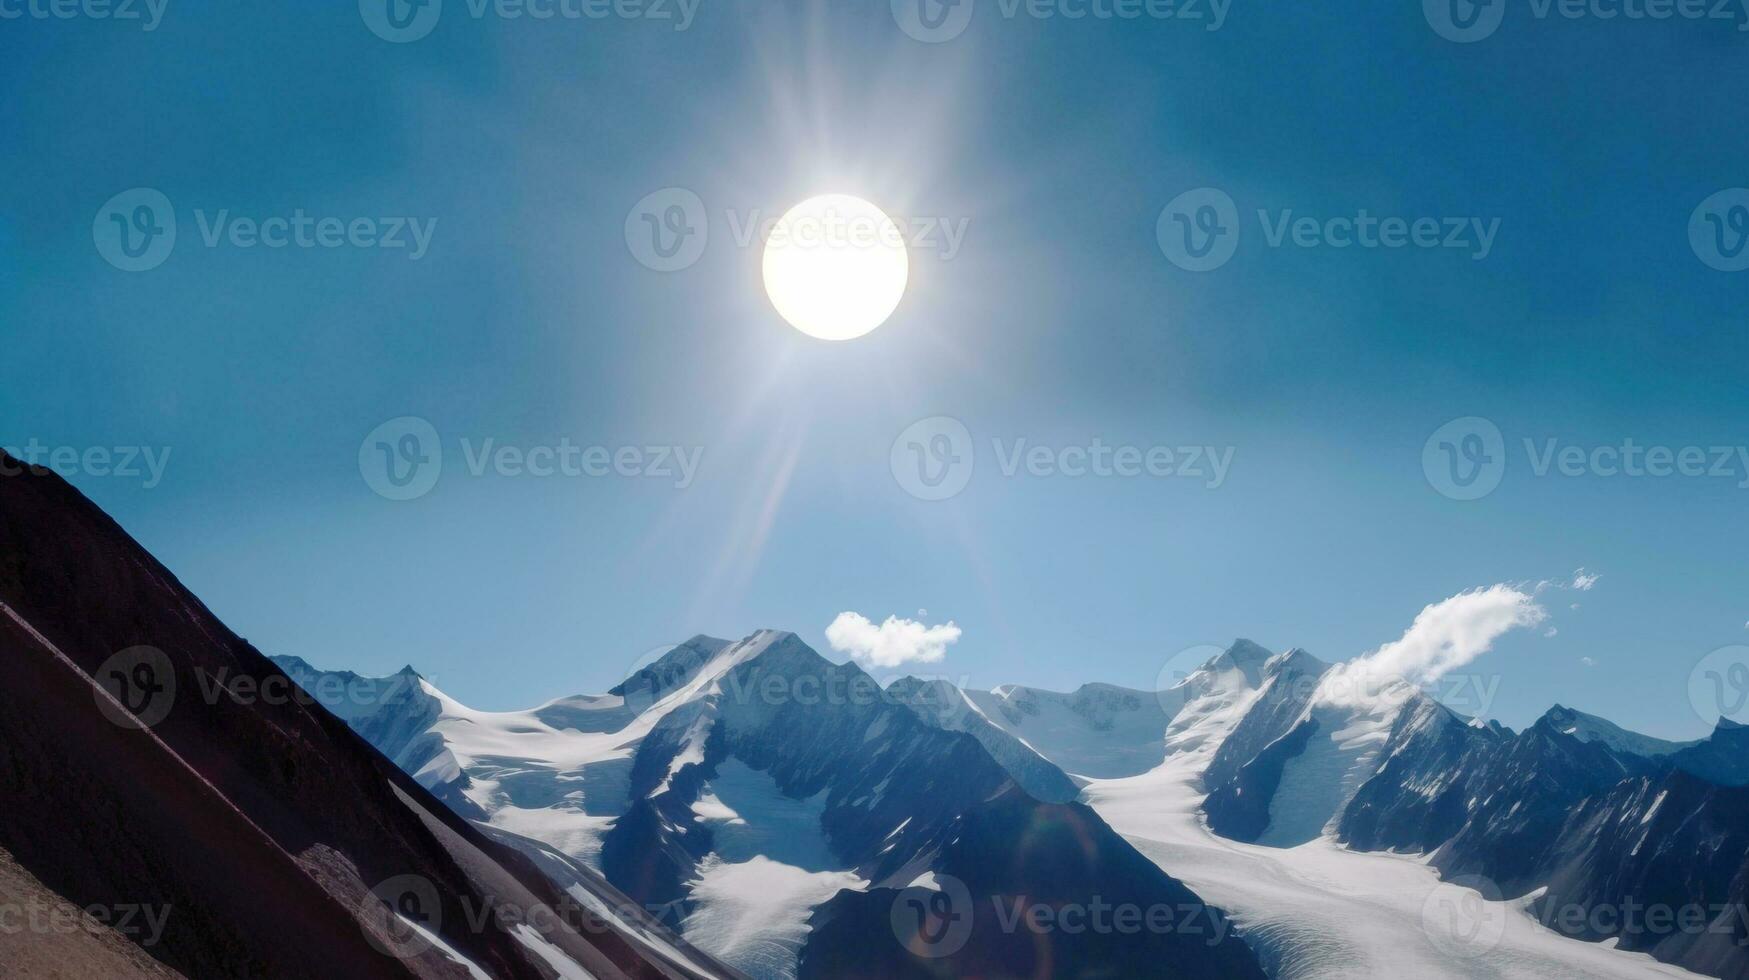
{"points": [[1132, 402]]}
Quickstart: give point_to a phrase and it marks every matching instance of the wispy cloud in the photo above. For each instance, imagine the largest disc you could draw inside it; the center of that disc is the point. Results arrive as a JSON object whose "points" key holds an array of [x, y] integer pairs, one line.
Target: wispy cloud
{"points": [[1445, 636], [1584, 580], [893, 643]]}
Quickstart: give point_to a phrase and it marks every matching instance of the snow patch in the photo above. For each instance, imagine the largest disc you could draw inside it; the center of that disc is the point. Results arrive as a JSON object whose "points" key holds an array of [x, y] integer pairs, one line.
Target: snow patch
{"points": [[553, 956], [753, 914]]}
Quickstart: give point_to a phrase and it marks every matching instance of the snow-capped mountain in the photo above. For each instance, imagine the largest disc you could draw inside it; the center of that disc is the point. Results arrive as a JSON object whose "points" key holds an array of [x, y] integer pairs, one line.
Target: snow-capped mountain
{"points": [[780, 831], [1049, 742], [1590, 728], [777, 808], [1565, 814], [1575, 813], [940, 703], [1053, 743], [1721, 758], [1396, 774], [153, 764]]}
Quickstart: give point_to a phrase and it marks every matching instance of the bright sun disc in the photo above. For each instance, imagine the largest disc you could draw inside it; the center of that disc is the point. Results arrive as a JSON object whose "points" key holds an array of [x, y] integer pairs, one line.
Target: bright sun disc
{"points": [[835, 266]]}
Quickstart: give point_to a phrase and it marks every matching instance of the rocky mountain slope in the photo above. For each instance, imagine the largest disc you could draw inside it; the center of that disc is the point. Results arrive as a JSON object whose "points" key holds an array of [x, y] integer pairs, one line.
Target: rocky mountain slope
{"points": [[781, 810], [152, 760]]}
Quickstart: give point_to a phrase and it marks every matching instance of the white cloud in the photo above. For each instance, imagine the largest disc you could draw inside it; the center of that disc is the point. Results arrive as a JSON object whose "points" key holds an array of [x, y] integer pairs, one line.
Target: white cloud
{"points": [[1551, 632], [1445, 636], [893, 643], [1584, 580], [1587, 661]]}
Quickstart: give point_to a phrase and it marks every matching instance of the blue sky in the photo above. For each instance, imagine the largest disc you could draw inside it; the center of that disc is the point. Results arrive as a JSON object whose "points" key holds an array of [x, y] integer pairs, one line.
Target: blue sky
{"points": [[1055, 144]]}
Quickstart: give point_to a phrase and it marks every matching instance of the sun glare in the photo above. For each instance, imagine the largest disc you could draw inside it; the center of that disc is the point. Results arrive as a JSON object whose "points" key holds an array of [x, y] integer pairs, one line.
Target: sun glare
{"points": [[835, 267]]}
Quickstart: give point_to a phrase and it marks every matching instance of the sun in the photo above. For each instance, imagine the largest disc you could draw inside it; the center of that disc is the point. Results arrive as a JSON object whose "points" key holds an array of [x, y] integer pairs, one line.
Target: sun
{"points": [[835, 266]]}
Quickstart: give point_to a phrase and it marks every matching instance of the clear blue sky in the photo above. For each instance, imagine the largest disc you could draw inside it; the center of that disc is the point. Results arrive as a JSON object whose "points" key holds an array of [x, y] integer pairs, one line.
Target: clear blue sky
{"points": [[1058, 142]]}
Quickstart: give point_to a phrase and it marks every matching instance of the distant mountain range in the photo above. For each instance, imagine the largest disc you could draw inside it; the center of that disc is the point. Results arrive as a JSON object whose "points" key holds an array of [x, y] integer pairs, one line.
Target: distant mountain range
{"points": [[779, 807], [169, 807], [735, 765], [750, 808], [1573, 813]]}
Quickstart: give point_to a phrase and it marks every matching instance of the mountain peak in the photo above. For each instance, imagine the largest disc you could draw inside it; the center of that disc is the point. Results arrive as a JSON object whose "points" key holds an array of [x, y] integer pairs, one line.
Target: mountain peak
{"points": [[1296, 661], [1244, 656], [1246, 652], [676, 666], [1590, 728]]}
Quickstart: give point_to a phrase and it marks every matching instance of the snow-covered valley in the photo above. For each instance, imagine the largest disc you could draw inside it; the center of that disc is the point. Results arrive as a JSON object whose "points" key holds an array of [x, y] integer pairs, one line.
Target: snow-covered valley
{"points": [[1321, 911], [750, 818]]}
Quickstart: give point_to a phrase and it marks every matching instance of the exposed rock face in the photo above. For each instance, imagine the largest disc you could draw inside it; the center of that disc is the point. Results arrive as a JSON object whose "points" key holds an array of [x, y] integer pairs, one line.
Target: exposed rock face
{"points": [[190, 778]]}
